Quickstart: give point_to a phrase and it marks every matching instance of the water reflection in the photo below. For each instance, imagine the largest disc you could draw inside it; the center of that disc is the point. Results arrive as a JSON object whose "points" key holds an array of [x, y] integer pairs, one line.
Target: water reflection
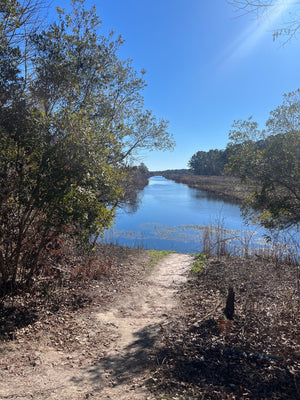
{"points": [[200, 194], [133, 203], [172, 216]]}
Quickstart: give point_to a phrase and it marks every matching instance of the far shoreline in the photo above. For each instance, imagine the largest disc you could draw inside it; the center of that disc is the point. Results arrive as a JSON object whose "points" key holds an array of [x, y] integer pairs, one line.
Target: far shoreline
{"points": [[222, 187]]}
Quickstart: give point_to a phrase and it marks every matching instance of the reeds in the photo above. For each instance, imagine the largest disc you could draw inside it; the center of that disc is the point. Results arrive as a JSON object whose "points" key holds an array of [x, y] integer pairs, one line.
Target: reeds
{"points": [[276, 247]]}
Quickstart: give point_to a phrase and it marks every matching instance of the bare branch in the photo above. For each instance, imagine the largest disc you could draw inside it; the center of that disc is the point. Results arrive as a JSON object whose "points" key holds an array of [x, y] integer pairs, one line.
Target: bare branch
{"points": [[290, 25]]}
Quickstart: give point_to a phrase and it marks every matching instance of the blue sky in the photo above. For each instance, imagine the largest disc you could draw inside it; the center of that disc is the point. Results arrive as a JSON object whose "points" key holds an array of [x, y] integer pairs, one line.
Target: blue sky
{"points": [[205, 68]]}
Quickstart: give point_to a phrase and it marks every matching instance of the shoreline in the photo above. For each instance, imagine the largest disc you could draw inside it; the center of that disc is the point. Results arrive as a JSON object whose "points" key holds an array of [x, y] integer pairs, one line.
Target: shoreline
{"points": [[221, 187]]}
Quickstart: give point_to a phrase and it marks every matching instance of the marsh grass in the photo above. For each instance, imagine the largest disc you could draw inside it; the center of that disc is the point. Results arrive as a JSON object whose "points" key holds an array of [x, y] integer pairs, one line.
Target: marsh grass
{"points": [[219, 187], [219, 241], [215, 239]]}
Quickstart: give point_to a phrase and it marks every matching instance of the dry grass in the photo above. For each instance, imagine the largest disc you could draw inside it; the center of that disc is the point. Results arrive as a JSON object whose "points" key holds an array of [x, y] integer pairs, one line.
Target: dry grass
{"points": [[222, 187]]}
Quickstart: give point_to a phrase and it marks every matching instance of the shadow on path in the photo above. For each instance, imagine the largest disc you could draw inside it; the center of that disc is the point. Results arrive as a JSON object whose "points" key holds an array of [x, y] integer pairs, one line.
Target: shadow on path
{"points": [[127, 363]]}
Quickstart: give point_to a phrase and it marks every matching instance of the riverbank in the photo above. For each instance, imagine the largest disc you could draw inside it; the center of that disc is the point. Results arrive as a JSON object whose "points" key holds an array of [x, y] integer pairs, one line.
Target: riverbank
{"points": [[149, 328], [222, 187]]}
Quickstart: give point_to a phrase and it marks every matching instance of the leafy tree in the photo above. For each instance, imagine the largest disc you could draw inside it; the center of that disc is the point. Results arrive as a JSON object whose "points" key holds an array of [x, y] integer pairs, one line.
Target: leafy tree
{"points": [[208, 163], [269, 161], [18, 19], [143, 169], [68, 130]]}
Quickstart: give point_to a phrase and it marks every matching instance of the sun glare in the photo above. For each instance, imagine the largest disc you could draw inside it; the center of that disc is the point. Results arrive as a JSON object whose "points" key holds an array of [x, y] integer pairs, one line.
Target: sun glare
{"points": [[250, 37]]}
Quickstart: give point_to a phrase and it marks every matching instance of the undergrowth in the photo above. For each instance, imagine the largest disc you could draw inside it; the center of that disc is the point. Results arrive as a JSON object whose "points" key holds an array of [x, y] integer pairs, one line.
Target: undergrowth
{"points": [[253, 357], [156, 256], [198, 264]]}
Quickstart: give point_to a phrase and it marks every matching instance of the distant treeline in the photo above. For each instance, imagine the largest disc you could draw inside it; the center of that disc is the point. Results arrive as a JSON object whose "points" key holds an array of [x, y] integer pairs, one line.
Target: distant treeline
{"points": [[210, 162], [217, 162], [171, 171]]}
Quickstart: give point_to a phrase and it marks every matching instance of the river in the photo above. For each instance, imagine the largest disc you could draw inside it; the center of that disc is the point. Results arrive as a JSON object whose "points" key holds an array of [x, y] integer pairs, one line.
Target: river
{"points": [[172, 216]]}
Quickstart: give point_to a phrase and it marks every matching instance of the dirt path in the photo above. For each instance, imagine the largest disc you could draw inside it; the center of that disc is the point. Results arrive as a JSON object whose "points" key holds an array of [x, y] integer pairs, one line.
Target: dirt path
{"points": [[135, 323]]}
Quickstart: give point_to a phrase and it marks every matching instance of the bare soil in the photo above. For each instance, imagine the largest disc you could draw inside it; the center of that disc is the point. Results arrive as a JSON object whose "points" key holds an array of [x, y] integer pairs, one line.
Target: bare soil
{"points": [[147, 330], [106, 348]]}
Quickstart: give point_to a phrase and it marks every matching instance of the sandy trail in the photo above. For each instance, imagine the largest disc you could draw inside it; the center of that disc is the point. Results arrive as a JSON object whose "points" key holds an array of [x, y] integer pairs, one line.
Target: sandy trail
{"points": [[137, 321]]}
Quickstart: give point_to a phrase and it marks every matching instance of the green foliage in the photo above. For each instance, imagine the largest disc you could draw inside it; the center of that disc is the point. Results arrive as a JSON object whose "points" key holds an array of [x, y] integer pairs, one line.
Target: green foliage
{"points": [[182, 171], [68, 131], [197, 266], [211, 162], [269, 162], [157, 256]]}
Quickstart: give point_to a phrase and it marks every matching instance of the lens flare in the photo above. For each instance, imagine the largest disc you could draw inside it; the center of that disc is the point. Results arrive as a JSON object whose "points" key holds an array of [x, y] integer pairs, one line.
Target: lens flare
{"points": [[250, 37]]}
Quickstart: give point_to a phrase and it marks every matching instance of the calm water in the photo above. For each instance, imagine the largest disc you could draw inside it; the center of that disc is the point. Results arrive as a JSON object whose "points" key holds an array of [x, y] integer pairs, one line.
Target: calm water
{"points": [[172, 216]]}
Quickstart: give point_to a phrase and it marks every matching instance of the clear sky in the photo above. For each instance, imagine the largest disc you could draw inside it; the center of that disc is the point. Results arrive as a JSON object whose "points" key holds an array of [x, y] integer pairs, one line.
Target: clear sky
{"points": [[205, 67]]}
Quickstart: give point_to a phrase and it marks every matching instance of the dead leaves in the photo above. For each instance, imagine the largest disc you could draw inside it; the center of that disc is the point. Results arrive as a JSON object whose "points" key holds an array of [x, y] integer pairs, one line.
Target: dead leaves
{"points": [[256, 356]]}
